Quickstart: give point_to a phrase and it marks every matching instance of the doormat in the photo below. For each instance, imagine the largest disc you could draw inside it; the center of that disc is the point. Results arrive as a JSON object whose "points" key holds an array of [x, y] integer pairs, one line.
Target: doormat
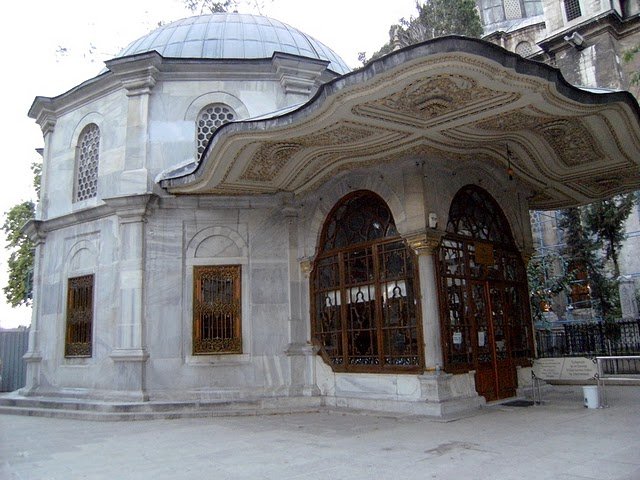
{"points": [[519, 403]]}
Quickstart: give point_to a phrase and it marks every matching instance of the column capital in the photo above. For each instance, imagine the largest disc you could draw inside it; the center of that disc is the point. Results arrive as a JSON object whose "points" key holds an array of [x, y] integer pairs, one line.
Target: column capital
{"points": [[424, 242], [306, 265]]}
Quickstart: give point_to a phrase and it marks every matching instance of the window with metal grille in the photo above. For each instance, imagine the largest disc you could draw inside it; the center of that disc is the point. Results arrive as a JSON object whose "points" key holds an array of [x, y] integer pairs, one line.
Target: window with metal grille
{"points": [[217, 311], [209, 120], [572, 9], [79, 317], [365, 314], [87, 157]]}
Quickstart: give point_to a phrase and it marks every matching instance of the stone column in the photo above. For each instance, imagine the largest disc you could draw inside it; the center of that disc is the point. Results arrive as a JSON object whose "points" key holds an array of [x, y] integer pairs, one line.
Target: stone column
{"points": [[300, 352], [33, 357], [130, 353], [425, 244]]}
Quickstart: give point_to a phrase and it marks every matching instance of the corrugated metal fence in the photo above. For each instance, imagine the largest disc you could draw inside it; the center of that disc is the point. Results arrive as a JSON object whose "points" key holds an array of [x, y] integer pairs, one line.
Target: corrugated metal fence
{"points": [[13, 345]]}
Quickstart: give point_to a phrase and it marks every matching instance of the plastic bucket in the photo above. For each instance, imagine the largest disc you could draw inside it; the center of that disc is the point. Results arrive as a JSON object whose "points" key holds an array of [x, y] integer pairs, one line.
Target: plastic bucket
{"points": [[591, 396]]}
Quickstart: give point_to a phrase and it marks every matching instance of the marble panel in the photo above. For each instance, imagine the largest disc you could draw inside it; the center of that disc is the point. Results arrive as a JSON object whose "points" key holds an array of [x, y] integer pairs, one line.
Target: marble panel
{"points": [[269, 329], [366, 385], [269, 284]]}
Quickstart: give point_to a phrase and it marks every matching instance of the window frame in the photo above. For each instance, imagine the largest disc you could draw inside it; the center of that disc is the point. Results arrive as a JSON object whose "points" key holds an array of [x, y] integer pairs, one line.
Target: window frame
{"points": [[235, 345], [201, 148], [71, 308], [79, 165], [572, 7], [379, 326]]}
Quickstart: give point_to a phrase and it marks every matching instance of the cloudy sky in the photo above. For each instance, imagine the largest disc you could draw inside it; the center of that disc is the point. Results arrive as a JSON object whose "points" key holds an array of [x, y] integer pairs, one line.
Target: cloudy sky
{"points": [[35, 33]]}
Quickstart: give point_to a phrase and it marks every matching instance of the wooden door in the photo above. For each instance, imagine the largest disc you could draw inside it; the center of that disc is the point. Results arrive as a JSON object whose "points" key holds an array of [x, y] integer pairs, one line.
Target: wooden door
{"points": [[495, 371]]}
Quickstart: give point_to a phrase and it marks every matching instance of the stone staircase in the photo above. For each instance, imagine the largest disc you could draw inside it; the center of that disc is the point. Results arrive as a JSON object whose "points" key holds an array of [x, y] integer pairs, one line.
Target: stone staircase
{"points": [[13, 404]]}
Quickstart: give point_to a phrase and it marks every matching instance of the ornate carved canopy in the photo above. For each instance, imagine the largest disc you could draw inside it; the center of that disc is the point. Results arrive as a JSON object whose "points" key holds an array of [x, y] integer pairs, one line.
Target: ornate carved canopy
{"points": [[451, 99]]}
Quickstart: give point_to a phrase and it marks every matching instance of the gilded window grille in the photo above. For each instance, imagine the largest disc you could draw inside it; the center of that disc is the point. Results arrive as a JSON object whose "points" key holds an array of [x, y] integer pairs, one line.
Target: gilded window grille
{"points": [[365, 309], [217, 311], [78, 336], [86, 181]]}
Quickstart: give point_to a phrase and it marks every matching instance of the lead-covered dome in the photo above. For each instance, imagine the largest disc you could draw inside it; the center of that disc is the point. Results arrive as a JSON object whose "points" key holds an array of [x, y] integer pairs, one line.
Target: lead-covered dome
{"points": [[232, 36]]}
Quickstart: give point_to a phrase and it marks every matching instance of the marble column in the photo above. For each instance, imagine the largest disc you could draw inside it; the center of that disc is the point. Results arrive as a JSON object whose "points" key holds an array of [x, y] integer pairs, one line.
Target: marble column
{"points": [[33, 357], [299, 351], [424, 245], [129, 353]]}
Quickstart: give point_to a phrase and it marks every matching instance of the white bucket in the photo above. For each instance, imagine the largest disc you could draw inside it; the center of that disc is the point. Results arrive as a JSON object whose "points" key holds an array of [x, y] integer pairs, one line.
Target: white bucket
{"points": [[591, 396]]}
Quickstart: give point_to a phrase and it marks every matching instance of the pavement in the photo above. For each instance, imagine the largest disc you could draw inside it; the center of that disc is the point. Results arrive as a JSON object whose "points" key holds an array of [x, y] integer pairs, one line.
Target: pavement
{"points": [[559, 440]]}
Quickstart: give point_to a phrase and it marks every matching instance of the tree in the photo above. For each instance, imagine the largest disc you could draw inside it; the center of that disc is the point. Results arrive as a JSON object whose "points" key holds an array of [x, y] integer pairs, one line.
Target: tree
{"points": [[435, 18], [201, 6], [605, 220], [545, 283], [584, 263], [20, 263], [21, 256]]}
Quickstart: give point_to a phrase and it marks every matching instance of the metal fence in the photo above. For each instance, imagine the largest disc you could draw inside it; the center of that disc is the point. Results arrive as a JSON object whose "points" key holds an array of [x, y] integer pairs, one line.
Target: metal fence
{"points": [[13, 345], [591, 340]]}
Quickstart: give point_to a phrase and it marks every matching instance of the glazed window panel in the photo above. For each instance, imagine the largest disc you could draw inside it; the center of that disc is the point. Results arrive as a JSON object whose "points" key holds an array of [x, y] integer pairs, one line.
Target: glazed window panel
{"points": [[79, 326], [364, 314], [217, 312], [87, 158], [209, 120]]}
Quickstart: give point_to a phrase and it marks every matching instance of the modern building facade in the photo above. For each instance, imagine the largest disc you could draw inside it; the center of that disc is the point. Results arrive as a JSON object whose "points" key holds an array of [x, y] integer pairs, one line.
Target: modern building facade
{"points": [[228, 213]]}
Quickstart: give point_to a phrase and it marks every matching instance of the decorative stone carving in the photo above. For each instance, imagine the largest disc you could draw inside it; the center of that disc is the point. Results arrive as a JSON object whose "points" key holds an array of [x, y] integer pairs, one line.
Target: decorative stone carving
{"points": [[568, 137], [424, 243], [271, 157], [430, 97], [306, 266]]}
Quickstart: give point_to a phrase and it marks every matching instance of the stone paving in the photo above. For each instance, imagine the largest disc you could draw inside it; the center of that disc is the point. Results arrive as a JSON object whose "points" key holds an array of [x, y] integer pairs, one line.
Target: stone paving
{"points": [[558, 440]]}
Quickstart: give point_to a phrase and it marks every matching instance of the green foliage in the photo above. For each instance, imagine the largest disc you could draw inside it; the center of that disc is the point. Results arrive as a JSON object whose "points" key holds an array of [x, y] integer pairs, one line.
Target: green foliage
{"points": [[547, 278], [202, 6], [628, 57], [20, 263], [581, 252], [605, 220], [435, 18]]}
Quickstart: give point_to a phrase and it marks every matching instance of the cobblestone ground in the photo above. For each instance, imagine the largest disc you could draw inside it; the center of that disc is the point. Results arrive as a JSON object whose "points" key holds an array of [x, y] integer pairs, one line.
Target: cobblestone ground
{"points": [[559, 440]]}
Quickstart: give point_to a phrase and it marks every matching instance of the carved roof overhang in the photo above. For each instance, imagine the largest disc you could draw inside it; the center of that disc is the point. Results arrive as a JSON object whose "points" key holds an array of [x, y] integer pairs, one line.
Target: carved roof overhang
{"points": [[451, 99]]}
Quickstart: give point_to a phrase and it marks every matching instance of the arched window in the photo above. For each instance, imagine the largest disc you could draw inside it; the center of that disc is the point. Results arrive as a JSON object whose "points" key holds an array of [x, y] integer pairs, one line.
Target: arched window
{"points": [[485, 321], [87, 158], [209, 120], [365, 315]]}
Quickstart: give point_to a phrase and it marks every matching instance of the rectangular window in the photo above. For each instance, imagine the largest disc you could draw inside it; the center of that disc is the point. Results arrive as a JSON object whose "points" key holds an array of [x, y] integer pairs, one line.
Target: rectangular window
{"points": [[217, 310], [79, 317], [572, 9]]}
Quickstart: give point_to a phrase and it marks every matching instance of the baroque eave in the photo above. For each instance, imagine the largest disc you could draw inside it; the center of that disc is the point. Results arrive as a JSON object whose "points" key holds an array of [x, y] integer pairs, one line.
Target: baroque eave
{"points": [[451, 99]]}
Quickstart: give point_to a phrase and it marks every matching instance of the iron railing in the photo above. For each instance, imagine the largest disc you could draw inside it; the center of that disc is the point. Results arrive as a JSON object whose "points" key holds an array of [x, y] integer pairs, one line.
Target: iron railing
{"points": [[590, 339], [593, 340]]}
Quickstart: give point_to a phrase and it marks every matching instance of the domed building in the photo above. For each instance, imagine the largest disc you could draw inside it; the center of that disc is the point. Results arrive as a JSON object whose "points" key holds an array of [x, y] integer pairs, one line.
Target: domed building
{"points": [[231, 218]]}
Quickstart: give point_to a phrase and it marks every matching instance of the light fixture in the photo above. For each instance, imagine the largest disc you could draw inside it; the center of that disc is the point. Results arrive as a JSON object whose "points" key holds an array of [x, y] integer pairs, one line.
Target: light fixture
{"points": [[509, 168]]}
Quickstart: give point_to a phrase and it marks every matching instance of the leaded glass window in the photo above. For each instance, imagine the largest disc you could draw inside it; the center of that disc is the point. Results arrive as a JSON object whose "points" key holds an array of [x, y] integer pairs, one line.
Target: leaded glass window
{"points": [[209, 120], [572, 9], [217, 310], [79, 317], [365, 313], [88, 152]]}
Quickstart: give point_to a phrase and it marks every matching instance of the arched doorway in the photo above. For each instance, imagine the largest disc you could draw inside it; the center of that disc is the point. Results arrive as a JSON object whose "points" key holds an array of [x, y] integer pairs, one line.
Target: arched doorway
{"points": [[365, 313], [485, 320]]}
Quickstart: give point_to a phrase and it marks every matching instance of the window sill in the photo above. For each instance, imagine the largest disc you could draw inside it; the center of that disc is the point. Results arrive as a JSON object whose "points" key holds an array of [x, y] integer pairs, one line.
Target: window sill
{"points": [[218, 360]]}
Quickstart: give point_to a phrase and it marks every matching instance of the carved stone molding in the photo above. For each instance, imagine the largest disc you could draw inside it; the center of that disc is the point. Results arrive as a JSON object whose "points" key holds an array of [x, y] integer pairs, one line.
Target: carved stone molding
{"points": [[424, 243]]}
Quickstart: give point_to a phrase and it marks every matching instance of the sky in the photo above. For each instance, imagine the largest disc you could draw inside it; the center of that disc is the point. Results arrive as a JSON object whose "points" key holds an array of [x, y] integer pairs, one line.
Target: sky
{"points": [[34, 34]]}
